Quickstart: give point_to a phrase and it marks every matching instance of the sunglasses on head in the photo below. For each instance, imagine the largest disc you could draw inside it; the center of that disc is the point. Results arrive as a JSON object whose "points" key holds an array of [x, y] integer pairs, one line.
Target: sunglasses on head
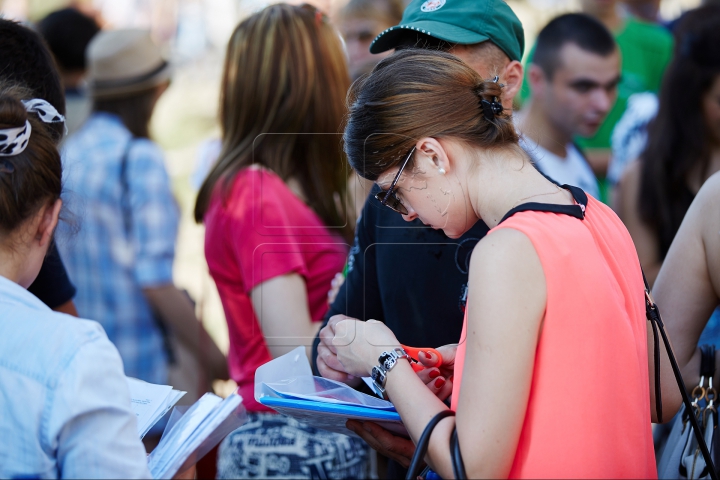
{"points": [[388, 197]]}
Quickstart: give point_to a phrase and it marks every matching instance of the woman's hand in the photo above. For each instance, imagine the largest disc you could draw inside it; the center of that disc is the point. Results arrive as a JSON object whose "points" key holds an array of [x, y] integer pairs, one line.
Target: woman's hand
{"points": [[359, 344], [327, 362], [439, 379]]}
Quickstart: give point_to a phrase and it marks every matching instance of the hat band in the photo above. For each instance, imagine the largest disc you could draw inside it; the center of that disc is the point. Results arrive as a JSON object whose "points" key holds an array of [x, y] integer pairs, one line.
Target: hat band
{"points": [[126, 82]]}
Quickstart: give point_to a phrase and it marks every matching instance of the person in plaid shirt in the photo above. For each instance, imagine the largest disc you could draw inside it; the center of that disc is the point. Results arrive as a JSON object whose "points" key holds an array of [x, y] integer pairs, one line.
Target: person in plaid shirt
{"points": [[116, 184]]}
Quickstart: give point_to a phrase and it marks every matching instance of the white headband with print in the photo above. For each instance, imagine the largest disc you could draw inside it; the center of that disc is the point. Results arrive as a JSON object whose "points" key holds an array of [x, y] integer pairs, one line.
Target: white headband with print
{"points": [[14, 140]]}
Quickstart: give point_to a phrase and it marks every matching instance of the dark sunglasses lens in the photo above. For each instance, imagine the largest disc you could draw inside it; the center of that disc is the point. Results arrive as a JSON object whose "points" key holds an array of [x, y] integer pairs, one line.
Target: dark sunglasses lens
{"points": [[393, 202]]}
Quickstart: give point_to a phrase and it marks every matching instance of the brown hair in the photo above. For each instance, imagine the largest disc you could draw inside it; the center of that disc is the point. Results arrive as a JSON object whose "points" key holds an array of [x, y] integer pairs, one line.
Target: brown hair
{"points": [[679, 143], [135, 111], [418, 93], [285, 73], [33, 178]]}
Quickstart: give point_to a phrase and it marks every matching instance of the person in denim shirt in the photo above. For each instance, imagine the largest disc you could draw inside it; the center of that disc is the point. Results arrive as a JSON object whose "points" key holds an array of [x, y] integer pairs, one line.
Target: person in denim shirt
{"points": [[64, 398]]}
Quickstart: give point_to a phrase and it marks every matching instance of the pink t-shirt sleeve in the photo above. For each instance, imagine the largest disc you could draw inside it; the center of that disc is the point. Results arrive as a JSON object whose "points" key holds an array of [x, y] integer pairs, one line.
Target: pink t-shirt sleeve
{"points": [[265, 244]]}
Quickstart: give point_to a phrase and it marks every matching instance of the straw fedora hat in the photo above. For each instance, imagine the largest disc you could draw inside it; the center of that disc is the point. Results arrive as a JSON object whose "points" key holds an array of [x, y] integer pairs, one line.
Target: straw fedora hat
{"points": [[124, 62]]}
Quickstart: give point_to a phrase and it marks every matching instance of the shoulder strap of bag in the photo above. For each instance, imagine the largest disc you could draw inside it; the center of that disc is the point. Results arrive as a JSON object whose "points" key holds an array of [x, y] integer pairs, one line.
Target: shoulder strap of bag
{"points": [[653, 315], [125, 185], [127, 228]]}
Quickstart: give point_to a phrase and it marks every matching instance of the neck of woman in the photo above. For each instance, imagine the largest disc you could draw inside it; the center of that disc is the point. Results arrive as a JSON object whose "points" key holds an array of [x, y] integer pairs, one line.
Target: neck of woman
{"points": [[11, 264], [504, 179]]}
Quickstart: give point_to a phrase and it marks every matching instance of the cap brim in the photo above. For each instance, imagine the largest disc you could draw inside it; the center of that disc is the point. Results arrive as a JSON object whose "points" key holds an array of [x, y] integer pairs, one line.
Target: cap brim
{"points": [[392, 37]]}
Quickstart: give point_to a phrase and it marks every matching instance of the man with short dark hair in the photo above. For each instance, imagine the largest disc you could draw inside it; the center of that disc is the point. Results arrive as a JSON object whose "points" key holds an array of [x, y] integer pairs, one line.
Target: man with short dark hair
{"points": [[574, 77], [645, 48], [25, 61]]}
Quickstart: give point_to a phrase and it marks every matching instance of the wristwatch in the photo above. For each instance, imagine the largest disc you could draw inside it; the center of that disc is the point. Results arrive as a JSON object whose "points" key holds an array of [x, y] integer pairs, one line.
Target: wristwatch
{"points": [[387, 361]]}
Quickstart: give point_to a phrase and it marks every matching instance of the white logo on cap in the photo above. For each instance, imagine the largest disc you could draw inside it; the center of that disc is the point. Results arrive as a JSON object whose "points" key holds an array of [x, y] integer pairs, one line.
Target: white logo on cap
{"points": [[432, 5]]}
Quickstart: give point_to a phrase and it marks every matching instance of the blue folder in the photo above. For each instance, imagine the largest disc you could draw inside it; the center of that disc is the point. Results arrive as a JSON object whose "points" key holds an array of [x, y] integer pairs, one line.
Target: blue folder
{"points": [[332, 416]]}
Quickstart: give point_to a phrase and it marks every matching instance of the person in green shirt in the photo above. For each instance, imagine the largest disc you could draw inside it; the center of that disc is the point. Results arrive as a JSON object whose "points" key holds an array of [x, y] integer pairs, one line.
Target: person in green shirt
{"points": [[646, 50]]}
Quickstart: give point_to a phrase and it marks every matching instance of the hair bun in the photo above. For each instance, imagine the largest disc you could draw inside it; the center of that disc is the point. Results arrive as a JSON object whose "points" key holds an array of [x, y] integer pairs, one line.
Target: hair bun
{"points": [[489, 90], [12, 112]]}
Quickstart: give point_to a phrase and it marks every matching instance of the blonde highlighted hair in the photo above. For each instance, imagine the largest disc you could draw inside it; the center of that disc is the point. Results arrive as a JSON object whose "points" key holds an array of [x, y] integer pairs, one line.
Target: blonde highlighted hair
{"points": [[282, 106]]}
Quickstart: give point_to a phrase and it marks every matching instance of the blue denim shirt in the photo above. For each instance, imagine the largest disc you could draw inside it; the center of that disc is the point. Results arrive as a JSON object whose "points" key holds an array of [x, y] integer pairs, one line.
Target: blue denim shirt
{"points": [[64, 401]]}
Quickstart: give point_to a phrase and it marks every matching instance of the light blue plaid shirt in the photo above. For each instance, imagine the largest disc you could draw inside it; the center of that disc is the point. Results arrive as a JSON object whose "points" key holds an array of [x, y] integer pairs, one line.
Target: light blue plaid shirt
{"points": [[109, 265], [64, 400]]}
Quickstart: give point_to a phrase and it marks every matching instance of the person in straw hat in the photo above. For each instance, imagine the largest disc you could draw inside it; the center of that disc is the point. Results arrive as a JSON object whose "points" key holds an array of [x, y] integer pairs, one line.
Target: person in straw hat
{"points": [[122, 256]]}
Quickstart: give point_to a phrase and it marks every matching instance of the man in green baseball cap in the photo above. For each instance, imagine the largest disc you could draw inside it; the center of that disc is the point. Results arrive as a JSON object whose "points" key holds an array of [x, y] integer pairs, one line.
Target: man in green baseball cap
{"points": [[485, 34]]}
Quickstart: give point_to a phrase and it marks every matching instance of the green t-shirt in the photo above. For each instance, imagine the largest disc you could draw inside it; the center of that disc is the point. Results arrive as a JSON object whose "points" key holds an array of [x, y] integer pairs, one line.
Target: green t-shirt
{"points": [[646, 50]]}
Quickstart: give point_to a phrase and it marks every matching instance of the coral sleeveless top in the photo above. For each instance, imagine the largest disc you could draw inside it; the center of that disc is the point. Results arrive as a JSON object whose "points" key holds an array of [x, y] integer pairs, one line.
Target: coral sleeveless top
{"points": [[588, 413]]}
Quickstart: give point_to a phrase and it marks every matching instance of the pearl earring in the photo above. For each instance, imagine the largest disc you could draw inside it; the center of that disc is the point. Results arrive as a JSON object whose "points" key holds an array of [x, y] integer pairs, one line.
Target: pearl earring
{"points": [[441, 171]]}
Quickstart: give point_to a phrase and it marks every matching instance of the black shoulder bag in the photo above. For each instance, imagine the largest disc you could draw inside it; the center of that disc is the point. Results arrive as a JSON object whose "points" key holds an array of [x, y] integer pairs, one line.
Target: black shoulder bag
{"points": [[653, 315]]}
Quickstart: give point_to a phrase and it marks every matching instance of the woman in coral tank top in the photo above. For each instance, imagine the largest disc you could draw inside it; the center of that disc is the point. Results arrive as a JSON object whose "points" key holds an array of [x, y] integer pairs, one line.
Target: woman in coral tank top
{"points": [[551, 375]]}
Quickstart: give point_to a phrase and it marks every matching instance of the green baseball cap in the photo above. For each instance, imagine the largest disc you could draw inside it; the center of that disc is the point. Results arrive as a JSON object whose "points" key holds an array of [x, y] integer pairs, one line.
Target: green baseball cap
{"points": [[458, 21]]}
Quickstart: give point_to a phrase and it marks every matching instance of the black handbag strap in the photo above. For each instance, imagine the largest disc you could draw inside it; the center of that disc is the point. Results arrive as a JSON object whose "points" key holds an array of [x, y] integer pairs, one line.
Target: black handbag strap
{"points": [[423, 443], [456, 456], [653, 315]]}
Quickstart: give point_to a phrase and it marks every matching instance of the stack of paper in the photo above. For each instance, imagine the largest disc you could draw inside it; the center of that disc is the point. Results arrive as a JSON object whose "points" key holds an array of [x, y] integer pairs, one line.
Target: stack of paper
{"points": [[151, 402], [287, 385], [202, 427]]}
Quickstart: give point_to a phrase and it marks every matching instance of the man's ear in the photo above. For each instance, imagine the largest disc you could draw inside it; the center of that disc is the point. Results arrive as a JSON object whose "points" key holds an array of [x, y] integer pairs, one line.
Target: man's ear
{"points": [[48, 222], [433, 156], [536, 78], [512, 77]]}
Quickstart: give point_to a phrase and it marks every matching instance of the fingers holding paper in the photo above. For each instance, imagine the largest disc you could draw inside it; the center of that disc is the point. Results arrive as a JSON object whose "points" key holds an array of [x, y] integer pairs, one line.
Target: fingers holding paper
{"points": [[327, 362], [354, 348]]}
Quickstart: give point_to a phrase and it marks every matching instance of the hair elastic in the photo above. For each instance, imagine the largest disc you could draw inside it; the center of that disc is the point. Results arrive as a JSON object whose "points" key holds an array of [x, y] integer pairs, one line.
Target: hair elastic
{"points": [[14, 141]]}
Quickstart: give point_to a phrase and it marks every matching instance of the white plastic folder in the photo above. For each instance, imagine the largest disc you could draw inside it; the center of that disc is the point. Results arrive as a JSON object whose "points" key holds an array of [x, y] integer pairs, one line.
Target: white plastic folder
{"points": [[189, 436], [287, 385]]}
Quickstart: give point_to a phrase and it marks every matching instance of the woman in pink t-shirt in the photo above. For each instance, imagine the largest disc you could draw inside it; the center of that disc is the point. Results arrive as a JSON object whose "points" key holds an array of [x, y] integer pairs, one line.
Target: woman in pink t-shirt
{"points": [[276, 231]]}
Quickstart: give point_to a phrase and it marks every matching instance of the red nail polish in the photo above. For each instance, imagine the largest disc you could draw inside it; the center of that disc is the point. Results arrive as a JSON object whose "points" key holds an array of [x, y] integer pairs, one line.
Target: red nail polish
{"points": [[428, 354], [439, 382], [434, 373]]}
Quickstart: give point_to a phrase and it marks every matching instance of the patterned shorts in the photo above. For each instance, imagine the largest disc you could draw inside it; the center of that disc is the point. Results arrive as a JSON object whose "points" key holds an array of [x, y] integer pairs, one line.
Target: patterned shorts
{"points": [[275, 446]]}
